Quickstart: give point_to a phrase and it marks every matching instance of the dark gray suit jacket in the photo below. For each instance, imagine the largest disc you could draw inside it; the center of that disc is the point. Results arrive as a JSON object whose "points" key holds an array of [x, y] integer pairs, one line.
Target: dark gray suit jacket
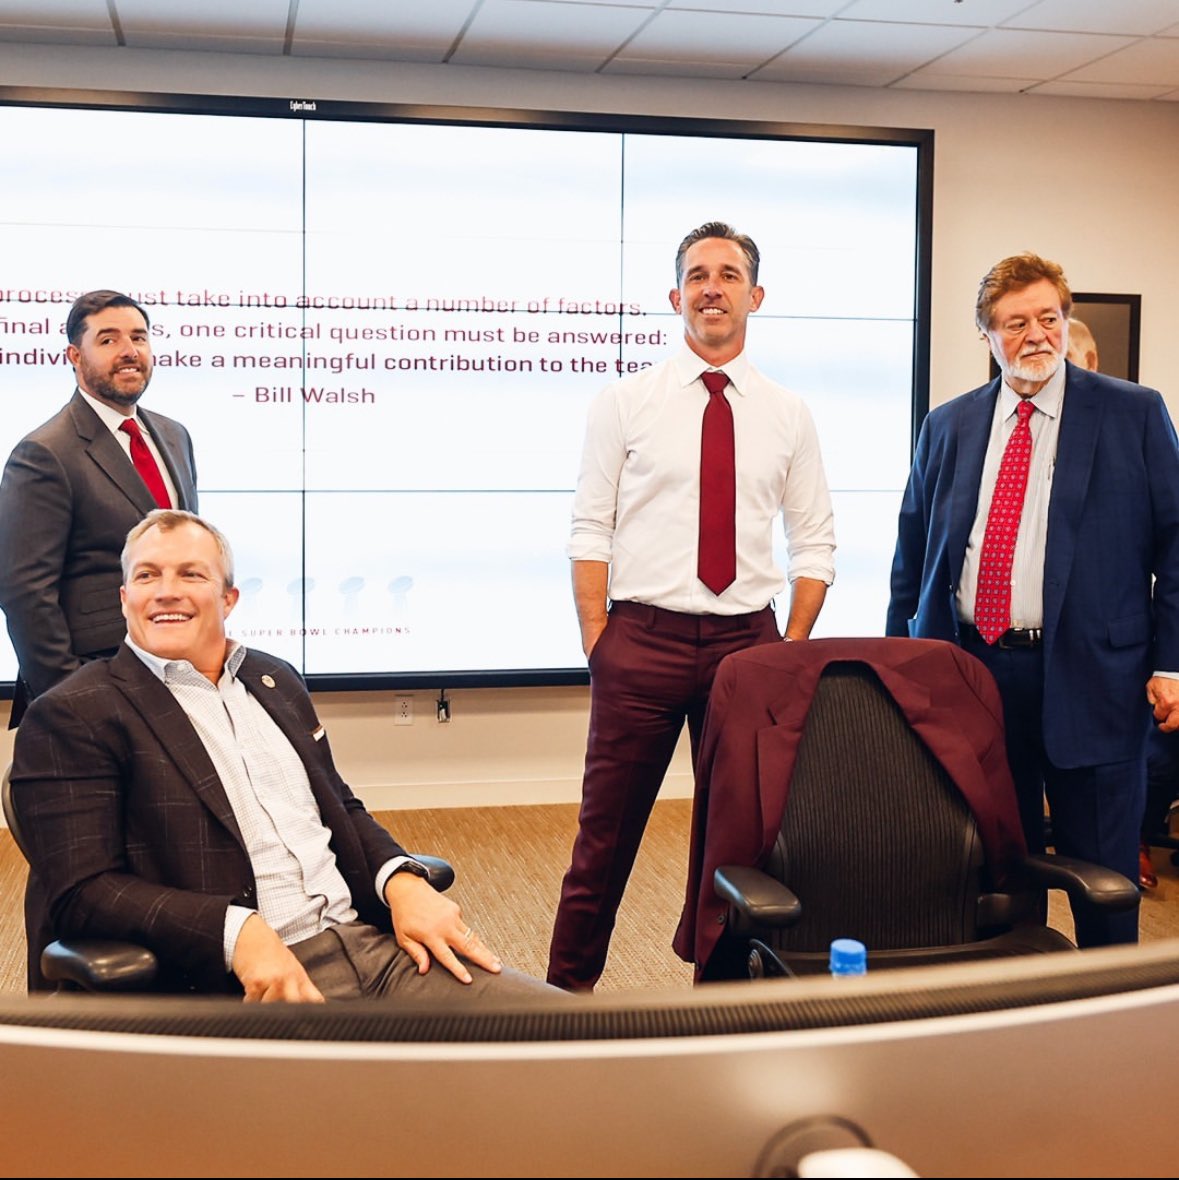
{"points": [[130, 831], [68, 498]]}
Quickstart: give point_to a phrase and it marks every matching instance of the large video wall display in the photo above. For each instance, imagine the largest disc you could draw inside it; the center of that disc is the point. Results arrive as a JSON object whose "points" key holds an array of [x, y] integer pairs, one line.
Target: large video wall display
{"points": [[383, 333]]}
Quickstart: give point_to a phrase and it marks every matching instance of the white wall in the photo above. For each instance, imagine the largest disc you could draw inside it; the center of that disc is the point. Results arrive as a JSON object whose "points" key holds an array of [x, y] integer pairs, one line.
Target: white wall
{"points": [[1089, 183]]}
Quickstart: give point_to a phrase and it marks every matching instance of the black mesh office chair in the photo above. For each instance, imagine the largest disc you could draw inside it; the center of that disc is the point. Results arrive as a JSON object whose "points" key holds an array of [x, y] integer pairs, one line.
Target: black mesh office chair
{"points": [[872, 838], [82, 964], [107, 965]]}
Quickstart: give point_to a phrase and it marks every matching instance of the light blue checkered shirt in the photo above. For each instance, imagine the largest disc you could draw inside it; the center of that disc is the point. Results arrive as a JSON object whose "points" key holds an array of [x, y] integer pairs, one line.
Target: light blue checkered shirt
{"points": [[300, 888]]}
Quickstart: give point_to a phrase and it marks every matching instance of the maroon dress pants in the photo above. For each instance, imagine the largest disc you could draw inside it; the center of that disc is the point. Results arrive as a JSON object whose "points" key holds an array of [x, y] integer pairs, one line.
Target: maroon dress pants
{"points": [[650, 670]]}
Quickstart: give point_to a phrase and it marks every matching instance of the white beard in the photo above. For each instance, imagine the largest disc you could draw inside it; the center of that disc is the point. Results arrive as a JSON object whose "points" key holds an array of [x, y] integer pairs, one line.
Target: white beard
{"points": [[1034, 368]]}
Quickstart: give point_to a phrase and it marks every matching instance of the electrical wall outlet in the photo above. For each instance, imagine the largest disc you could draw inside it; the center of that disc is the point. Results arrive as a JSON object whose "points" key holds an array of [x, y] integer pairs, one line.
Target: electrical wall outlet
{"points": [[403, 711]]}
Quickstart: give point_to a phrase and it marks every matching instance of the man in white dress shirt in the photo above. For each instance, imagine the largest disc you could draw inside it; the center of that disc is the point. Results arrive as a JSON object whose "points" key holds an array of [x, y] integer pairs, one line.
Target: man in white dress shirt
{"points": [[182, 795], [651, 628]]}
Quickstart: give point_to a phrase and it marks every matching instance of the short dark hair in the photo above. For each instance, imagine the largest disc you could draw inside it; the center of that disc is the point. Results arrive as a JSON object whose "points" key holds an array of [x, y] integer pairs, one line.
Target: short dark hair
{"points": [[1014, 274], [95, 301], [718, 229]]}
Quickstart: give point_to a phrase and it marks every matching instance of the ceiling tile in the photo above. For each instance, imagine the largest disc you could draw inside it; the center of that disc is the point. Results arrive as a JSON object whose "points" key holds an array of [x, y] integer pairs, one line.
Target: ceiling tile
{"points": [[83, 14], [68, 22], [868, 50], [187, 39], [1066, 89], [820, 8], [679, 68], [226, 18], [977, 84], [58, 35], [211, 26], [648, 4], [1137, 17], [552, 36], [850, 74], [979, 13], [378, 29], [1154, 61], [701, 36], [1034, 56]]}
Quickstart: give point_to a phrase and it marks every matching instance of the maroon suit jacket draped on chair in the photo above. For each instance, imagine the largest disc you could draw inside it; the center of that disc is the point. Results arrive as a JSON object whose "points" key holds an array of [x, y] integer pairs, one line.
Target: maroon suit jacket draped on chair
{"points": [[756, 715]]}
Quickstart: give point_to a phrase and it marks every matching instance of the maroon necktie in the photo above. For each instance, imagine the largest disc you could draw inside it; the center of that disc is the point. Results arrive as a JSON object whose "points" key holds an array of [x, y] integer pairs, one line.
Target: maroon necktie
{"points": [[717, 556], [145, 464], [992, 597]]}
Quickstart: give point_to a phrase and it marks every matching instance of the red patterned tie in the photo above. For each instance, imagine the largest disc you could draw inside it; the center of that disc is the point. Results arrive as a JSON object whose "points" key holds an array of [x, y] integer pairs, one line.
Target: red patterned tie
{"points": [[992, 598], [145, 464], [717, 555]]}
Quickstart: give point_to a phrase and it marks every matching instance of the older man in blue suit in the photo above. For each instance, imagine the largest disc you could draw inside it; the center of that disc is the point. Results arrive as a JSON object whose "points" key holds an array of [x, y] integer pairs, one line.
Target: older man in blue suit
{"points": [[1080, 624]]}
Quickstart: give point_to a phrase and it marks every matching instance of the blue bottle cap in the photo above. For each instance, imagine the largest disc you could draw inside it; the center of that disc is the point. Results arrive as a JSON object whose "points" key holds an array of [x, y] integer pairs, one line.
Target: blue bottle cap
{"points": [[849, 956]]}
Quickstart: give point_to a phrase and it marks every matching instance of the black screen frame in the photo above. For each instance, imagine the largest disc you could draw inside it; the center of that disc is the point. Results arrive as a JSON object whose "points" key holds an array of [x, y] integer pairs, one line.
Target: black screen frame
{"points": [[307, 108]]}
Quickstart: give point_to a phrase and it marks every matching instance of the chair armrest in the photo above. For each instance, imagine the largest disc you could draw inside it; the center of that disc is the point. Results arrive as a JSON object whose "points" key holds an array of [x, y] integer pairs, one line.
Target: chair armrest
{"points": [[99, 965], [756, 900], [441, 872], [1088, 885]]}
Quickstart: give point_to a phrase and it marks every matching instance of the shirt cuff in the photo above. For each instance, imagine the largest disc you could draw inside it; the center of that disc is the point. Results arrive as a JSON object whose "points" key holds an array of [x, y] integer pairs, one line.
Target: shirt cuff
{"points": [[389, 868], [824, 574], [235, 919], [590, 549]]}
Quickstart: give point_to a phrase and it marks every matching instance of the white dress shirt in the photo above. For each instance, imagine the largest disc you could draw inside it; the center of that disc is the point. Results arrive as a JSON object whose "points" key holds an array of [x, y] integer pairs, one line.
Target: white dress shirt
{"points": [[112, 420], [638, 494], [1027, 567], [301, 891]]}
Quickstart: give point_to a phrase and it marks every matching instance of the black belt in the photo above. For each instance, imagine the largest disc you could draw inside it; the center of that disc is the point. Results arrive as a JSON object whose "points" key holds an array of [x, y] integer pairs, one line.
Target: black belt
{"points": [[1013, 639]]}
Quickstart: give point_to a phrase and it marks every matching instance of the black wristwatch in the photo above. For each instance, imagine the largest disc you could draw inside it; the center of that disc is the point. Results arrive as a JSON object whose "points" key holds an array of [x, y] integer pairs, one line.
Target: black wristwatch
{"points": [[412, 866]]}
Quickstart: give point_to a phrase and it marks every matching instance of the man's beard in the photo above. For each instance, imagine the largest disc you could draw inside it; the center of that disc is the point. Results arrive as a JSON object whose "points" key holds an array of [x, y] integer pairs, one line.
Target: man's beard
{"points": [[1038, 367], [107, 391]]}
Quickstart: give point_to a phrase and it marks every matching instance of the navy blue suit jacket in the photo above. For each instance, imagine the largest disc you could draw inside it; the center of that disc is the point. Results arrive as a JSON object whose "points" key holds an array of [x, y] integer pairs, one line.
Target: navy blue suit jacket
{"points": [[1111, 564]]}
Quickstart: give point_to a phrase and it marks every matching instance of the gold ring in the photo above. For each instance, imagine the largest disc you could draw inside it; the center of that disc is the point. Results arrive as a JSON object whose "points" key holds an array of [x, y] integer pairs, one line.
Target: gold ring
{"points": [[469, 934]]}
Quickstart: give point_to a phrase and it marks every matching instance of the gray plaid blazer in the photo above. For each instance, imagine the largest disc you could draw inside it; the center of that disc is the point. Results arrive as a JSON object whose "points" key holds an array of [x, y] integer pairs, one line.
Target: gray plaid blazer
{"points": [[130, 832]]}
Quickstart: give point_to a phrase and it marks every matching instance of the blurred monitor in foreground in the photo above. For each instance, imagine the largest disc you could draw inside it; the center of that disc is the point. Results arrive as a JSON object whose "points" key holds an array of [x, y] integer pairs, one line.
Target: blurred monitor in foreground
{"points": [[1019, 1067]]}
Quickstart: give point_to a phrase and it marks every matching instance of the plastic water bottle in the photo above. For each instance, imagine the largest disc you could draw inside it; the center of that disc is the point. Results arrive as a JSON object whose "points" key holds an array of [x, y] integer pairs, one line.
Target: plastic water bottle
{"points": [[849, 956]]}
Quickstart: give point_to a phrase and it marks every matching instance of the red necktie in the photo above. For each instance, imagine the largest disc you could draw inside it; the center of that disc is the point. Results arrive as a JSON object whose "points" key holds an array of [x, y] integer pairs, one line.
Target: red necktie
{"points": [[717, 556], [145, 464], [992, 598]]}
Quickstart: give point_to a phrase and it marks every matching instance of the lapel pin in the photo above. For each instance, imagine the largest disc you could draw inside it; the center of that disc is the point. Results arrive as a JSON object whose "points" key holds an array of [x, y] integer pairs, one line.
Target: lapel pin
{"points": [[268, 680]]}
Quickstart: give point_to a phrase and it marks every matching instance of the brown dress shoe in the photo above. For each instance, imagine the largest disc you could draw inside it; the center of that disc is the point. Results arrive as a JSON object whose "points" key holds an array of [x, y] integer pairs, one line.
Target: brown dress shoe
{"points": [[1147, 878]]}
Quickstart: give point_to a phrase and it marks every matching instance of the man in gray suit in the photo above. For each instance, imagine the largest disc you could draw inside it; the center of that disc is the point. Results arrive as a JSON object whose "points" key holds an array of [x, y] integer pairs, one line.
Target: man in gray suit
{"points": [[71, 490]]}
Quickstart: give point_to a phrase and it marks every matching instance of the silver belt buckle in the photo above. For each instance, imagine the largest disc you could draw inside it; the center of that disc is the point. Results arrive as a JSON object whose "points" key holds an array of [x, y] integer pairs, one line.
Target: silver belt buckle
{"points": [[1020, 638]]}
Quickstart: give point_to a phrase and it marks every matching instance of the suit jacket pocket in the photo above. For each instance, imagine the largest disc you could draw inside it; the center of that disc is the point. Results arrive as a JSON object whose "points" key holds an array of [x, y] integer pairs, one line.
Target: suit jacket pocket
{"points": [[1129, 631], [95, 619], [99, 600]]}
